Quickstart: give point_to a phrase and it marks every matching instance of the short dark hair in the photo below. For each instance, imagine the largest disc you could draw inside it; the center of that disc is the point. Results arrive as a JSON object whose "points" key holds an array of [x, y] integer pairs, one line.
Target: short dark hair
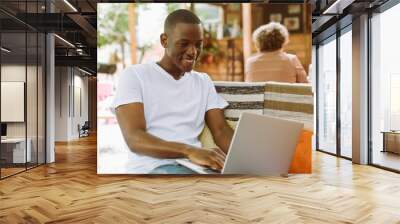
{"points": [[180, 16]]}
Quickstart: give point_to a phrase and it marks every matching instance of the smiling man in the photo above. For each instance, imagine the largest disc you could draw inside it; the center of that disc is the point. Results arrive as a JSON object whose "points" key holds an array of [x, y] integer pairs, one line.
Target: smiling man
{"points": [[162, 107]]}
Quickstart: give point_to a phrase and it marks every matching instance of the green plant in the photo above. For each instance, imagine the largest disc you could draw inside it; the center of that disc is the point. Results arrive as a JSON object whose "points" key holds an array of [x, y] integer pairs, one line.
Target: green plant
{"points": [[211, 51], [113, 27]]}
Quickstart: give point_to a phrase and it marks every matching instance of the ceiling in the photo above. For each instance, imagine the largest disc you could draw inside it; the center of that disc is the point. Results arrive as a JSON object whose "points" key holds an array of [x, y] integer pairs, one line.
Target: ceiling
{"points": [[329, 15], [72, 20], [75, 21]]}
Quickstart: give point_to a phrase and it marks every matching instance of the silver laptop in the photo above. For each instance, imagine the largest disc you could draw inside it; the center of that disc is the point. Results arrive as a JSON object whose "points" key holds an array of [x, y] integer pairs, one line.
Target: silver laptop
{"points": [[261, 145]]}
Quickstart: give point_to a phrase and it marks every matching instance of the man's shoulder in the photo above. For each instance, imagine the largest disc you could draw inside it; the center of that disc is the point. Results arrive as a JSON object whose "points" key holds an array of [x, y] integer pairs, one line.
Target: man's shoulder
{"points": [[200, 76], [139, 67], [137, 71]]}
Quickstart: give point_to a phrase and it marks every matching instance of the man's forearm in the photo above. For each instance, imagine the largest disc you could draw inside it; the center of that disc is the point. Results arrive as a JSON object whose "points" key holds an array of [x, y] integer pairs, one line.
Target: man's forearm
{"points": [[144, 143], [224, 138]]}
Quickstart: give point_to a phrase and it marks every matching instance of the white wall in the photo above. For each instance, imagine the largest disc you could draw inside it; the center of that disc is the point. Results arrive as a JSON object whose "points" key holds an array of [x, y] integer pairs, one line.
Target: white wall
{"points": [[16, 73], [80, 83], [71, 94], [61, 103], [33, 126]]}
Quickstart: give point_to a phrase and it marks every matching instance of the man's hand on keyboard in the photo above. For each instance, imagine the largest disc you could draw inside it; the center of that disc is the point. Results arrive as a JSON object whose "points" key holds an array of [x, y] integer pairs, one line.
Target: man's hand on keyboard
{"points": [[213, 158]]}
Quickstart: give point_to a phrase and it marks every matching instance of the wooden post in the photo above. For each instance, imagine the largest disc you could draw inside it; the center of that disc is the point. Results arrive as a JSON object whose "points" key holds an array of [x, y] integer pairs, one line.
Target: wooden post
{"points": [[132, 31], [246, 13]]}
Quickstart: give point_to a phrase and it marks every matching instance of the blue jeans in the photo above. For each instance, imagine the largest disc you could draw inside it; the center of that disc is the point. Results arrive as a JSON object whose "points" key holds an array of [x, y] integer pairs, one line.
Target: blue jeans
{"points": [[172, 169]]}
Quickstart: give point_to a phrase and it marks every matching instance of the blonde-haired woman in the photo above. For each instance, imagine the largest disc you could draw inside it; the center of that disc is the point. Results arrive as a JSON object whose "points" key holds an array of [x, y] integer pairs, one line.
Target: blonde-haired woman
{"points": [[271, 63]]}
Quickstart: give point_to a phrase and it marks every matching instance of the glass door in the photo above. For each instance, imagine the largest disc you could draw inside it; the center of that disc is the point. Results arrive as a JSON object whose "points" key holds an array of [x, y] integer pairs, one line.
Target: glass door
{"points": [[22, 77], [327, 96], [346, 92], [385, 90], [14, 154]]}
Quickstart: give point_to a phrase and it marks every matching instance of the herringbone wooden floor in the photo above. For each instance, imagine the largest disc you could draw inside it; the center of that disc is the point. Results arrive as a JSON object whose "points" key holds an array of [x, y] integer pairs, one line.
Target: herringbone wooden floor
{"points": [[70, 191]]}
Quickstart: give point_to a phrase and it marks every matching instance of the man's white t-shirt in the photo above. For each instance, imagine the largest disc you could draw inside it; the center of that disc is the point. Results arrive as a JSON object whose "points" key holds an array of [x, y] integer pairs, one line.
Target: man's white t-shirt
{"points": [[174, 110]]}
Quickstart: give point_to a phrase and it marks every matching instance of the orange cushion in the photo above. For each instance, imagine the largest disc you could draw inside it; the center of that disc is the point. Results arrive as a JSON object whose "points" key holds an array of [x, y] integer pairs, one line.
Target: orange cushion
{"points": [[302, 158], [301, 162]]}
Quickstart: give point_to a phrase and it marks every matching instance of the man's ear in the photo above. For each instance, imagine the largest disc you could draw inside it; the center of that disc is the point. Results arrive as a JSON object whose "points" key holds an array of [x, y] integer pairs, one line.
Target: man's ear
{"points": [[164, 40]]}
